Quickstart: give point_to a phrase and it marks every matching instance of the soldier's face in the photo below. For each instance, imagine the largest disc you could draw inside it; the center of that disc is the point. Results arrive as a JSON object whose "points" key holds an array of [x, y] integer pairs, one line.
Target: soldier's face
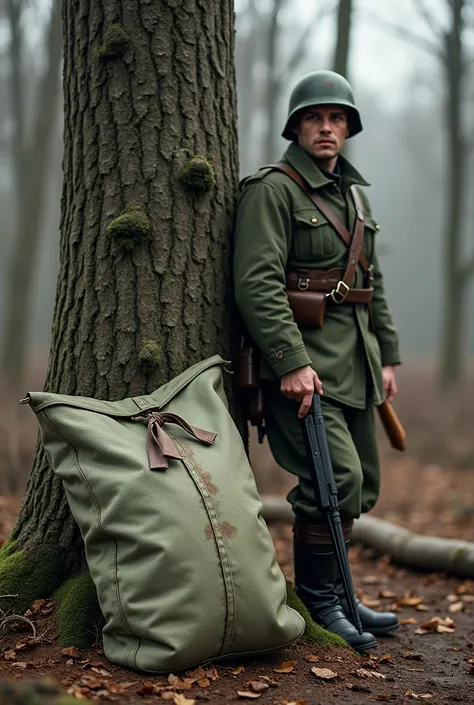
{"points": [[322, 131]]}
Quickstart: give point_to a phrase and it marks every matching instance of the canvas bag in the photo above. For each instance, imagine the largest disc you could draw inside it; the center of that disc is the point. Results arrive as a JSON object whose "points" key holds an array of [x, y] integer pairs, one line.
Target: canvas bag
{"points": [[183, 562]]}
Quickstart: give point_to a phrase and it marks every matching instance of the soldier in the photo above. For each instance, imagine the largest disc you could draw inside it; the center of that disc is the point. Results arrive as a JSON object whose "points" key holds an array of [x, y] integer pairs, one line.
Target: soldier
{"points": [[285, 243]]}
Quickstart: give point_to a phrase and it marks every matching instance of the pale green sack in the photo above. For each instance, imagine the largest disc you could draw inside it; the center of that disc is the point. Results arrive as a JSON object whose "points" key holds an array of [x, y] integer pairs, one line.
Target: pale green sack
{"points": [[183, 563]]}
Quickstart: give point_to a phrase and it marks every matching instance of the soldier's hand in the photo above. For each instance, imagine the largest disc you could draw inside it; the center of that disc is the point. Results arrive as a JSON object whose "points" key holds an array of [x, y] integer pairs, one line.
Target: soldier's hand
{"points": [[389, 383], [300, 385]]}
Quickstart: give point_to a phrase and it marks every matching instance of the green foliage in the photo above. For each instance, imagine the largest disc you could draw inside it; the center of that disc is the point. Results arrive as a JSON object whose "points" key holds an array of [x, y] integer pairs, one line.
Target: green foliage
{"points": [[78, 613], [150, 354], [130, 229], [31, 576], [198, 175], [313, 634], [116, 40]]}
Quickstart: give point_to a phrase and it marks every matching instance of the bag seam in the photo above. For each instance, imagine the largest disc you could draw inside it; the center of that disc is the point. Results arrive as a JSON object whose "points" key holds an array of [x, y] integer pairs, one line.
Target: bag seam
{"points": [[99, 522], [226, 569]]}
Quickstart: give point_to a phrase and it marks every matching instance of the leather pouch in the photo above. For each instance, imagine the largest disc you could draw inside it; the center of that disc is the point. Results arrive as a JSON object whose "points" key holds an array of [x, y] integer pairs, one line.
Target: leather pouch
{"points": [[309, 307]]}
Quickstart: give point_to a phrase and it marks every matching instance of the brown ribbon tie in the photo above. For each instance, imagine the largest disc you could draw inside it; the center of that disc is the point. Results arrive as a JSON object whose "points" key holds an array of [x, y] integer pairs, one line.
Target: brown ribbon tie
{"points": [[161, 446]]}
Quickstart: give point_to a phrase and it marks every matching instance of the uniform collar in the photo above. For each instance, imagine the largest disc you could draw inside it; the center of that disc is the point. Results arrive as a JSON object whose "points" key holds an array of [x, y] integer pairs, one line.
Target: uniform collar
{"points": [[306, 166]]}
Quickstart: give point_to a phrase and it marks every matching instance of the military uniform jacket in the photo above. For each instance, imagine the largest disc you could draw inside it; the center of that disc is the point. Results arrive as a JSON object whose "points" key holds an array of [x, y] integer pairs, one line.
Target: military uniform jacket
{"points": [[278, 228]]}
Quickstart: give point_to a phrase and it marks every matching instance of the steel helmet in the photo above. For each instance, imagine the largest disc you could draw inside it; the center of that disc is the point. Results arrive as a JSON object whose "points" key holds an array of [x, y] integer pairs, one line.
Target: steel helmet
{"points": [[322, 88]]}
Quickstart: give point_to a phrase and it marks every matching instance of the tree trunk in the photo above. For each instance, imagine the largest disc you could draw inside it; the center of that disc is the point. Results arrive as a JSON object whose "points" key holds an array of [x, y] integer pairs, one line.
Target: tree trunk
{"points": [[420, 552], [30, 197], [341, 54], [16, 95], [150, 178], [452, 347], [272, 86]]}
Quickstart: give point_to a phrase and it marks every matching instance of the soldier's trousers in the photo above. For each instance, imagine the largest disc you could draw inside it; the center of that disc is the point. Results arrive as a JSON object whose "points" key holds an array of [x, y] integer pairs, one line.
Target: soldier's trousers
{"points": [[352, 447]]}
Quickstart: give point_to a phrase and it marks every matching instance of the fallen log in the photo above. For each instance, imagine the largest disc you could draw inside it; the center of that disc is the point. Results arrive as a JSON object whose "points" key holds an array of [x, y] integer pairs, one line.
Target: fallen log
{"points": [[405, 547]]}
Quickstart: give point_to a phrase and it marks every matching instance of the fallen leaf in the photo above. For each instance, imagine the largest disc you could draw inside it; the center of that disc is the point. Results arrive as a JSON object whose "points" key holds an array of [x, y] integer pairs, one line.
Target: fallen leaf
{"points": [[71, 652], [324, 673], [364, 673], [248, 694], [312, 658], [456, 607], [422, 608], [291, 702], [101, 672], [424, 696], [212, 673], [410, 601], [285, 667], [272, 683], [369, 602], [455, 648], [386, 658], [91, 682], [37, 605], [388, 594], [409, 620], [195, 675], [412, 656], [238, 671], [19, 664], [203, 682], [464, 588], [371, 580], [257, 686], [179, 699], [10, 655], [177, 683]]}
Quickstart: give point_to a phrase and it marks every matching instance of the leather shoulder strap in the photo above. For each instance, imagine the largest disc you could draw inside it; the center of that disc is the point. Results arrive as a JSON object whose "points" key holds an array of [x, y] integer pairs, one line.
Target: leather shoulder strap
{"points": [[332, 218]]}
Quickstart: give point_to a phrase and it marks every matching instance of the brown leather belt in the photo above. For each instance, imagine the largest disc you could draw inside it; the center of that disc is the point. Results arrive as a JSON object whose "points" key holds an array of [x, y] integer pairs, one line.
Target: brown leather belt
{"points": [[327, 281]]}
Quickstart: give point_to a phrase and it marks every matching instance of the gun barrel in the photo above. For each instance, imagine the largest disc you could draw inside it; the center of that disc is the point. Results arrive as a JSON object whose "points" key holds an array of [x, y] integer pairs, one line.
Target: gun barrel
{"points": [[325, 492]]}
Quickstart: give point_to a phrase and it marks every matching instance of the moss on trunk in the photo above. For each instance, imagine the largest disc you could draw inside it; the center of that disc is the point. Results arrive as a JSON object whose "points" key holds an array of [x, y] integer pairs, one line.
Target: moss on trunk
{"points": [[78, 615]]}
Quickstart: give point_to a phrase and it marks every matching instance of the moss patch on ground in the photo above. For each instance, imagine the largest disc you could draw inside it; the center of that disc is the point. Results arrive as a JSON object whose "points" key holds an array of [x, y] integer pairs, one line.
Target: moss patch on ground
{"points": [[30, 576], [313, 634], [78, 615]]}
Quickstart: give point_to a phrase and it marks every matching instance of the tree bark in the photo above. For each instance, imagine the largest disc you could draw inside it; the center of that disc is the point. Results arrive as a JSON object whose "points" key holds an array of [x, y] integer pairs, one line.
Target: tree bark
{"points": [[452, 349], [30, 181], [344, 21], [144, 287]]}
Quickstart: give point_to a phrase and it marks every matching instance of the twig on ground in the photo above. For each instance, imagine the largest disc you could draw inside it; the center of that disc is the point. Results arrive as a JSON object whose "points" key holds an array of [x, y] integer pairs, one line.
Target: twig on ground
{"points": [[16, 618]]}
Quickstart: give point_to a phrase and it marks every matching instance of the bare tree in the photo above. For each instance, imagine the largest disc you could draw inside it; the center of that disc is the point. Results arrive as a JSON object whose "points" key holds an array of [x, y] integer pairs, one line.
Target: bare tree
{"points": [[30, 159], [450, 46], [343, 37]]}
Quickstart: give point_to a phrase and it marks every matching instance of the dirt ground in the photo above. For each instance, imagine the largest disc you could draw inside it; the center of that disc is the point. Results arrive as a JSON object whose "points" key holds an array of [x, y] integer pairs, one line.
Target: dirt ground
{"points": [[430, 658]]}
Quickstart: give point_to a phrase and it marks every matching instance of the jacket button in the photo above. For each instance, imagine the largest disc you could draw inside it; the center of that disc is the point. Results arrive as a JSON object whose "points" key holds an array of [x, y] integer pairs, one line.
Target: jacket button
{"points": [[279, 355], [314, 220], [377, 227]]}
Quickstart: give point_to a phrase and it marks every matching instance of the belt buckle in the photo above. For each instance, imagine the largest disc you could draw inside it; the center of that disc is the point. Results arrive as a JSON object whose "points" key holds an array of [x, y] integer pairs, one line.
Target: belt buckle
{"points": [[339, 294], [303, 284]]}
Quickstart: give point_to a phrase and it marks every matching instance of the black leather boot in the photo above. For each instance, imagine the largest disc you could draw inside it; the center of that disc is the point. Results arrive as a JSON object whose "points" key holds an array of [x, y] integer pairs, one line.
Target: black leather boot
{"points": [[375, 622], [316, 573]]}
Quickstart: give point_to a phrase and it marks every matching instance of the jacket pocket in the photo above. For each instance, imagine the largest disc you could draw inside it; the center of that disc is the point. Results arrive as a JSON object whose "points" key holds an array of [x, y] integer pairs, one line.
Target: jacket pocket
{"points": [[313, 236]]}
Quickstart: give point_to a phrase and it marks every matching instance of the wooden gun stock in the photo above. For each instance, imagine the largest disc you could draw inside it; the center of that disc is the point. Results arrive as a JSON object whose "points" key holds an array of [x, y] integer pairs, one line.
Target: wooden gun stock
{"points": [[393, 428]]}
